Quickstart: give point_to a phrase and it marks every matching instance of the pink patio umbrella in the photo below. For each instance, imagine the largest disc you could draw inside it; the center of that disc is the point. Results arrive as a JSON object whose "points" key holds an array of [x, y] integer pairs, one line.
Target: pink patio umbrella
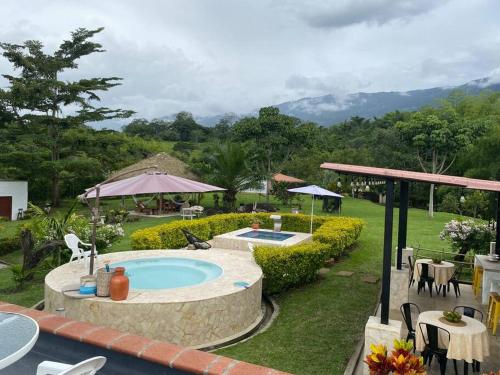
{"points": [[152, 183], [146, 183]]}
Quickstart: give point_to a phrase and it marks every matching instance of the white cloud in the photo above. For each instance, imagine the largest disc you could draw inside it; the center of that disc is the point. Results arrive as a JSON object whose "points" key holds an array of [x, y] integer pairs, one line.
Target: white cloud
{"points": [[236, 56]]}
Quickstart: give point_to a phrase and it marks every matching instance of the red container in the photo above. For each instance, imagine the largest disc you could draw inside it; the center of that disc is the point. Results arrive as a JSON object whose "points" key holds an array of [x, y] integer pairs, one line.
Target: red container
{"points": [[119, 285]]}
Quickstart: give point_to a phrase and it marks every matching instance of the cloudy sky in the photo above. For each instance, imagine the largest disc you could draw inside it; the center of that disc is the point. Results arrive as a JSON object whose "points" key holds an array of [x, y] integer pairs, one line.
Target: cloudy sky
{"points": [[211, 57]]}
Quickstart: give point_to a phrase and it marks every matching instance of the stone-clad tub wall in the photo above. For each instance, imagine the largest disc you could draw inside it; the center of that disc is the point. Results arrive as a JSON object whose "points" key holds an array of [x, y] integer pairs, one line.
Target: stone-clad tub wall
{"points": [[194, 316]]}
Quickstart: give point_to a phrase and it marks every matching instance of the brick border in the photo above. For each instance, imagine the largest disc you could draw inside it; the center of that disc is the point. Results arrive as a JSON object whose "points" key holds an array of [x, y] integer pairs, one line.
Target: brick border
{"points": [[169, 355]]}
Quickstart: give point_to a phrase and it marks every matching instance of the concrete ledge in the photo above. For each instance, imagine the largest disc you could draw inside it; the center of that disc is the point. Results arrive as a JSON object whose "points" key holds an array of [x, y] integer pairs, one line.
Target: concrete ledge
{"points": [[169, 355]]}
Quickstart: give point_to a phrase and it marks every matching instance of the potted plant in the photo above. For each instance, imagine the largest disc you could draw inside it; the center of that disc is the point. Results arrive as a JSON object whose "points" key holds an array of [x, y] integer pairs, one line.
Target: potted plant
{"points": [[452, 316], [255, 223], [436, 260], [399, 361]]}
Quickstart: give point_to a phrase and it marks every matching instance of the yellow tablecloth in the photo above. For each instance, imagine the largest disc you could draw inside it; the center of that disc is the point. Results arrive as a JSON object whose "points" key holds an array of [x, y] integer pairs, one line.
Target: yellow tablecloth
{"points": [[442, 272], [466, 343]]}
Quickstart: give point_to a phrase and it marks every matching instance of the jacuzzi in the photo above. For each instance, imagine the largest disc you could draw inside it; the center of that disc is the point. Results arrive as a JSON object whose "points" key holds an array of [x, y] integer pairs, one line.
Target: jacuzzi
{"points": [[168, 272], [190, 298]]}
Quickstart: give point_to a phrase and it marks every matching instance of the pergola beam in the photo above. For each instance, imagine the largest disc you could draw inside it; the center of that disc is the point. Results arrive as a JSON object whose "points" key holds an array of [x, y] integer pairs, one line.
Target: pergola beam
{"points": [[403, 221], [391, 175], [386, 266]]}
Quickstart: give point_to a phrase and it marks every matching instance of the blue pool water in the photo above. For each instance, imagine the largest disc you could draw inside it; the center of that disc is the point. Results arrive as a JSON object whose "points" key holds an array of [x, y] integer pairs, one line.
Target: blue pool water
{"points": [[168, 273], [264, 235]]}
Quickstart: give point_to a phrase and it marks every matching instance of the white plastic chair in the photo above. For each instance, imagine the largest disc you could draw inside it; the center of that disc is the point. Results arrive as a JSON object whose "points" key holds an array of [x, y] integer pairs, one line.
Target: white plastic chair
{"points": [[72, 241], [88, 367], [197, 210]]}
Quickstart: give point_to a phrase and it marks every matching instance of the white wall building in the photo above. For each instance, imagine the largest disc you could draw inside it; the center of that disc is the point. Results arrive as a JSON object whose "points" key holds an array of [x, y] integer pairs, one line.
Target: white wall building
{"points": [[13, 196]]}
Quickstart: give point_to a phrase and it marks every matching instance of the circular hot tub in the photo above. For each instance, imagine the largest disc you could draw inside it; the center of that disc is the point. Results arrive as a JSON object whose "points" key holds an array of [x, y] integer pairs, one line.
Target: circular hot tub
{"points": [[168, 272], [190, 298]]}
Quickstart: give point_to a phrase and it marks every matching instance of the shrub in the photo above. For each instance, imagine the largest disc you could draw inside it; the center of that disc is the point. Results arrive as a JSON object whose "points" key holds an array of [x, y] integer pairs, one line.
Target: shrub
{"points": [[283, 267], [286, 267], [339, 233], [106, 234], [466, 235], [169, 236], [9, 245]]}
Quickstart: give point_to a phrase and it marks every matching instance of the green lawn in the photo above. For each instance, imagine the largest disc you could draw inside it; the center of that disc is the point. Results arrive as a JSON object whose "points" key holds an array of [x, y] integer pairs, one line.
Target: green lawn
{"points": [[320, 324]]}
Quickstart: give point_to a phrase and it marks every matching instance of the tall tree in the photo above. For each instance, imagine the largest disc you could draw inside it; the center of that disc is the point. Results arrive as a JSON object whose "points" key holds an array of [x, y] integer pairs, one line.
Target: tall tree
{"points": [[276, 137], [437, 136], [230, 167], [37, 96]]}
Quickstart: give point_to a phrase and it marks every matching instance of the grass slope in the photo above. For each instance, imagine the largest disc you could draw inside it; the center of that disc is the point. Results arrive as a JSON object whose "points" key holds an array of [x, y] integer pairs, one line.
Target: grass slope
{"points": [[320, 324]]}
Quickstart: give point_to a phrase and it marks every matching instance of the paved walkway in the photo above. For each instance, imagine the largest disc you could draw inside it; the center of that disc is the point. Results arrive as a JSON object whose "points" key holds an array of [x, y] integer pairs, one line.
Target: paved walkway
{"points": [[401, 294]]}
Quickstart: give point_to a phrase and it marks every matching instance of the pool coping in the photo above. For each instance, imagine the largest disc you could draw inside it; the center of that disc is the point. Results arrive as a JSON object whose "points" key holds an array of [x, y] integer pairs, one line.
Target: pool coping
{"points": [[169, 355], [237, 266], [233, 240]]}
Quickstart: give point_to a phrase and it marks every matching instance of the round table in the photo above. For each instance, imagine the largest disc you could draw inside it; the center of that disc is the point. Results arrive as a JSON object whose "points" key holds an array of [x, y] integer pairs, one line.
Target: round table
{"points": [[441, 272], [466, 343], [18, 334]]}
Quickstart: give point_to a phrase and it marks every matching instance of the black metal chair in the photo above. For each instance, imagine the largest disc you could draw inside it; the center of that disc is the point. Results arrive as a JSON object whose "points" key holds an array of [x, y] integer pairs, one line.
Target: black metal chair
{"points": [[424, 278], [411, 269], [455, 280], [432, 349], [198, 243], [406, 309], [473, 313]]}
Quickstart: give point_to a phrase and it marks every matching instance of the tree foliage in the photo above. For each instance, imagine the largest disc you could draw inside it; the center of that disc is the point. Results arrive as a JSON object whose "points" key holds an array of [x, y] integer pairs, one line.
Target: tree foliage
{"points": [[230, 167], [437, 136], [39, 98]]}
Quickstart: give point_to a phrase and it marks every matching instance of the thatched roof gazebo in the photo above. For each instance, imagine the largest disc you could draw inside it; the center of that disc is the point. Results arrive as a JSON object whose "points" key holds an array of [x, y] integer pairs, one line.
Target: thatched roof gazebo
{"points": [[164, 163]]}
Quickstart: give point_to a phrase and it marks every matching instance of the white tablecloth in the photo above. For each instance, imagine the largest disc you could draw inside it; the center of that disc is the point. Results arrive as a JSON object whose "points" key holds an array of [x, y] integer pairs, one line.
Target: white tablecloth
{"points": [[466, 343], [441, 272]]}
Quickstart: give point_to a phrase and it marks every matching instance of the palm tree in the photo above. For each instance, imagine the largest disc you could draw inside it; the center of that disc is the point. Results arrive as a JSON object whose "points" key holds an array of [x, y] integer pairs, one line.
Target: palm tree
{"points": [[231, 168]]}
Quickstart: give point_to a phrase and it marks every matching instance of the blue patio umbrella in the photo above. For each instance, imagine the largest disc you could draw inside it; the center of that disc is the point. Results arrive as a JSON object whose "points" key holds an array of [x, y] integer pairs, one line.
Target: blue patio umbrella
{"points": [[314, 190]]}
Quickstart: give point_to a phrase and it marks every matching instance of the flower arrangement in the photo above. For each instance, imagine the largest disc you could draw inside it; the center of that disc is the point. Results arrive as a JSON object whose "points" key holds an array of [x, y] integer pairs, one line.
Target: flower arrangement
{"points": [[469, 234], [400, 361]]}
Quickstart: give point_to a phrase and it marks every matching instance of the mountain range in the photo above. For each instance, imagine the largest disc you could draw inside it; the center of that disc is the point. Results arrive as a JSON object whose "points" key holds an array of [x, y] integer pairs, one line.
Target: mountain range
{"points": [[329, 109]]}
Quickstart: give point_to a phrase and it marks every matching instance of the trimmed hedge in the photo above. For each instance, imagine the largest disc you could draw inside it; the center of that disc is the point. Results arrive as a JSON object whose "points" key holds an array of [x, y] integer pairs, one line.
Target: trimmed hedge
{"points": [[339, 233], [169, 236], [283, 267]]}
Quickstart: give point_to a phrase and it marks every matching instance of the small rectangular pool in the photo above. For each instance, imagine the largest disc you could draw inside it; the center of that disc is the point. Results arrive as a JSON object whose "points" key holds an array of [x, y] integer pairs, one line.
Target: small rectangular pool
{"points": [[266, 235], [239, 239]]}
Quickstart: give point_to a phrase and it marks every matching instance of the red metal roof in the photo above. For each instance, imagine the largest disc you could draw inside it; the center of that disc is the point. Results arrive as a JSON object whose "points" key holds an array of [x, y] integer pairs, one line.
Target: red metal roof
{"points": [[468, 183], [280, 177]]}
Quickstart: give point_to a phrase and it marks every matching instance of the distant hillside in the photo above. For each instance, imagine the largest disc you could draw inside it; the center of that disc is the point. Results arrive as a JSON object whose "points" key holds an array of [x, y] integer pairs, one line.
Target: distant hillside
{"points": [[328, 110]]}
